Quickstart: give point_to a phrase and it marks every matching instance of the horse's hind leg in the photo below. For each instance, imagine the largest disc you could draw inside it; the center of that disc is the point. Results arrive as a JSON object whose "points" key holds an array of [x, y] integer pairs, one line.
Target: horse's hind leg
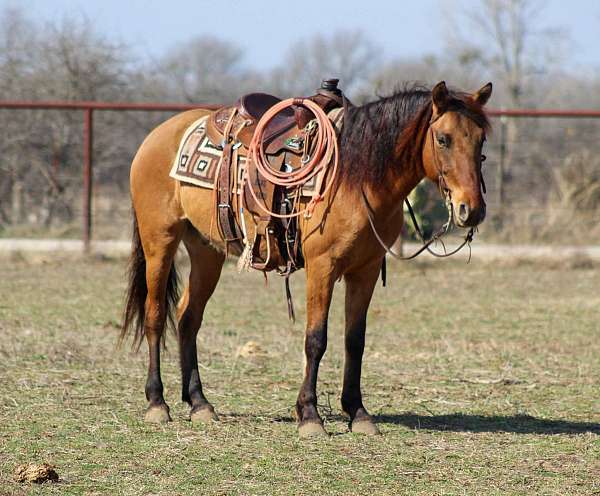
{"points": [[206, 264], [160, 252]]}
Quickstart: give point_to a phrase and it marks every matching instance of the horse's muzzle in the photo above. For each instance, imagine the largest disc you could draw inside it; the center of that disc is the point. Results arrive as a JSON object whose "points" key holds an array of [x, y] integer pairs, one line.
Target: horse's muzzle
{"points": [[465, 216]]}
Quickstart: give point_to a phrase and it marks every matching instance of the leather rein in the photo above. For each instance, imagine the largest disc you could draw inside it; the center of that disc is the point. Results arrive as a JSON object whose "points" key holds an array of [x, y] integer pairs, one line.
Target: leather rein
{"points": [[436, 236]]}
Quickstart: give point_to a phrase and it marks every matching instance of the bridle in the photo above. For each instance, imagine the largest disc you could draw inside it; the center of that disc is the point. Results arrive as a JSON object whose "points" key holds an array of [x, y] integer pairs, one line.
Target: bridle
{"points": [[446, 193]]}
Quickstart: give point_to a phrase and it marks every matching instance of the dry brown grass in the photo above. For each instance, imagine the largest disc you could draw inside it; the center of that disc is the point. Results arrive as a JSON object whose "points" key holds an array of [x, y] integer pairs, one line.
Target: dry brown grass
{"points": [[484, 378]]}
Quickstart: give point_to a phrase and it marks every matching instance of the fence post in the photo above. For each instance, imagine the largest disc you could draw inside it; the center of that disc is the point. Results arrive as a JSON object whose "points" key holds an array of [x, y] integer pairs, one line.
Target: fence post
{"points": [[502, 162], [88, 142]]}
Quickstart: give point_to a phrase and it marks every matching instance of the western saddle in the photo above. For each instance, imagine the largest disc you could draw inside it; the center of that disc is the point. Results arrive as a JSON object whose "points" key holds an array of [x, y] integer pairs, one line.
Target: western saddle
{"points": [[275, 243]]}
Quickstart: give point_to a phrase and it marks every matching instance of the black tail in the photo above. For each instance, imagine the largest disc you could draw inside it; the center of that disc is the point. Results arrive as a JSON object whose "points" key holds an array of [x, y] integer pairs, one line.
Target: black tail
{"points": [[134, 313]]}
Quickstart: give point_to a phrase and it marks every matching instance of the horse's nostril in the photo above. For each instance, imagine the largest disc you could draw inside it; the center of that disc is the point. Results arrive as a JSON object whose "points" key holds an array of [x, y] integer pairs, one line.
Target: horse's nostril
{"points": [[463, 211]]}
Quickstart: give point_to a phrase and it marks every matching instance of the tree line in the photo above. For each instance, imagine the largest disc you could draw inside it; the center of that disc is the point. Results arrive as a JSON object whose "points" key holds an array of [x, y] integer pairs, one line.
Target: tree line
{"points": [[41, 151]]}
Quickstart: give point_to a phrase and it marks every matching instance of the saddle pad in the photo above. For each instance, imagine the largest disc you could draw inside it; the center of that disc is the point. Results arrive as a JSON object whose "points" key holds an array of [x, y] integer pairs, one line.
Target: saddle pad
{"points": [[198, 158]]}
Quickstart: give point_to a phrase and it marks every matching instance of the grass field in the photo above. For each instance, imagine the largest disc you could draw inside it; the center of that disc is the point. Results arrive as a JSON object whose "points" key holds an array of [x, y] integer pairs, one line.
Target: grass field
{"points": [[484, 379]]}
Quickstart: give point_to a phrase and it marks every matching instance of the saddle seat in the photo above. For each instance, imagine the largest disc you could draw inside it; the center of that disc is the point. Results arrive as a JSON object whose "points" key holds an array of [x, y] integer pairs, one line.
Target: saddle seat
{"points": [[256, 104], [248, 111]]}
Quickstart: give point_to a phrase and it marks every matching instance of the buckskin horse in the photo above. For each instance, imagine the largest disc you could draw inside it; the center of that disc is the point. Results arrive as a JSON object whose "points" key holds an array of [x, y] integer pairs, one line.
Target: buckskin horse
{"points": [[386, 148]]}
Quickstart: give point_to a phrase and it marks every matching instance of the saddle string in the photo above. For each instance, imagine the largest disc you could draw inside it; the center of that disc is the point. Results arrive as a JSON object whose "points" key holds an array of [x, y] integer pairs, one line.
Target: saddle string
{"points": [[288, 297]]}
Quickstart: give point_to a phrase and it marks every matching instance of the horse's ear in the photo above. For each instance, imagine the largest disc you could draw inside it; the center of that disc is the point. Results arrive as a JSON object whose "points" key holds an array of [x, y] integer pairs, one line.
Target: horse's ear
{"points": [[483, 95], [440, 98]]}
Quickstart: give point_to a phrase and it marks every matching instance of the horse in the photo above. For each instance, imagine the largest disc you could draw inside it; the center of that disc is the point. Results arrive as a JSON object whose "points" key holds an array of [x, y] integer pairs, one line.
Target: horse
{"points": [[387, 147]]}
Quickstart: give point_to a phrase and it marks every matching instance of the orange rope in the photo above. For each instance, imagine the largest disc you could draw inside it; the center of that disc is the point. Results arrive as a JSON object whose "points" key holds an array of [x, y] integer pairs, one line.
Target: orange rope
{"points": [[326, 149]]}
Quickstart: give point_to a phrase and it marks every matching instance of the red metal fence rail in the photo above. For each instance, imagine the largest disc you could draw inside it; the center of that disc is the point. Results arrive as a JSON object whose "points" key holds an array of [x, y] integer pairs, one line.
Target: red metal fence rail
{"points": [[88, 109]]}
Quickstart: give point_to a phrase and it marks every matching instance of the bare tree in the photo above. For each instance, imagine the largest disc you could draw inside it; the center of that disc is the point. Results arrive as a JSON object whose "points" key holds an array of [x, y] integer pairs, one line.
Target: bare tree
{"points": [[507, 39], [348, 55], [205, 69], [41, 150], [17, 38], [426, 71]]}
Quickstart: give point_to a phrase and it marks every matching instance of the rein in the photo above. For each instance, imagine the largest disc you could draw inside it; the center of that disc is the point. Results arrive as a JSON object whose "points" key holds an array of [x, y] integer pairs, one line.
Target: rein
{"points": [[436, 236]]}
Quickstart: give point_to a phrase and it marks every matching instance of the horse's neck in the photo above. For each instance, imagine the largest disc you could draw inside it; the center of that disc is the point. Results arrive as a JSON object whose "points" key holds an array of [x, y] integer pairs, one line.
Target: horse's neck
{"points": [[388, 198], [385, 199], [404, 173]]}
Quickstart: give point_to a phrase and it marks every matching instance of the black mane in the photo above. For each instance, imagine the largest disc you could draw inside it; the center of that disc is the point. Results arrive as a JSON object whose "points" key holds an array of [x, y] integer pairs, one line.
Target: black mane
{"points": [[375, 135], [370, 134]]}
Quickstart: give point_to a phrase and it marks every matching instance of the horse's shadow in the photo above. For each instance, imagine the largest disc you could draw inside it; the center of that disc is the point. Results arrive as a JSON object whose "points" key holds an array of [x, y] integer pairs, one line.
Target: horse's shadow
{"points": [[459, 422], [518, 424]]}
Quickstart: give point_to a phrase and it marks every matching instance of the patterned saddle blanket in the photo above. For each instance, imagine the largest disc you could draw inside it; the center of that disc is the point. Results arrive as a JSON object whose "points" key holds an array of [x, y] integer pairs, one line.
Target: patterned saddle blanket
{"points": [[198, 157]]}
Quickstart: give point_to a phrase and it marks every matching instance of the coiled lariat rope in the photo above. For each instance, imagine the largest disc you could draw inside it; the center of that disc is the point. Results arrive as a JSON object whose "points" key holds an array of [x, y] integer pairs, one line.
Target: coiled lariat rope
{"points": [[325, 152]]}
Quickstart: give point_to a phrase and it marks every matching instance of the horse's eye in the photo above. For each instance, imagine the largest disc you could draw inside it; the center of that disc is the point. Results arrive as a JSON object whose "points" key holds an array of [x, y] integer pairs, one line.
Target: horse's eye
{"points": [[443, 140]]}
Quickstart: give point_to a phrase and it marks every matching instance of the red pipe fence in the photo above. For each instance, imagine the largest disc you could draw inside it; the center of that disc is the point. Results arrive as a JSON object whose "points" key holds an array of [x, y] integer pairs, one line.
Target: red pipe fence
{"points": [[88, 109]]}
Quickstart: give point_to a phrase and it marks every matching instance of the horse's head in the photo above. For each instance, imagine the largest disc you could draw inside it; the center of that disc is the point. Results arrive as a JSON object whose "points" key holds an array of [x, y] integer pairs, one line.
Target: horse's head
{"points": [[452, 152]]}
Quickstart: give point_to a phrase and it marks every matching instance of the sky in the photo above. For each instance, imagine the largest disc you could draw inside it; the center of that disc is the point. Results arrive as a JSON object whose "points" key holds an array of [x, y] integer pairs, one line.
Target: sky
{"points": [[266, 28]]}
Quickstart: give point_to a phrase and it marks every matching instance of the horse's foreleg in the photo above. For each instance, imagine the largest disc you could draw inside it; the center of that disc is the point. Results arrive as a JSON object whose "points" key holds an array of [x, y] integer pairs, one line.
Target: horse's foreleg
{"points": [[359, 289], [206, 264], [319, 289]]}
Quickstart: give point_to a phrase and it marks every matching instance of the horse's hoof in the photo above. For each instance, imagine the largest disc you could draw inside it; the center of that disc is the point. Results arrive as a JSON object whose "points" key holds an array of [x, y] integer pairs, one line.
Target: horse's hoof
{"points": [[365, 426], [157, 415], [203, 415], [311, 429]]}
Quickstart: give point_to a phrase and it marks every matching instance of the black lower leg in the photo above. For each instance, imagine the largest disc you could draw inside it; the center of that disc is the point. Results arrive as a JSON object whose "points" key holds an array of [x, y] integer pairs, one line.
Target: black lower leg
{"points": [[314, 348], [191, 386], [351, 392], [154, 386]]}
